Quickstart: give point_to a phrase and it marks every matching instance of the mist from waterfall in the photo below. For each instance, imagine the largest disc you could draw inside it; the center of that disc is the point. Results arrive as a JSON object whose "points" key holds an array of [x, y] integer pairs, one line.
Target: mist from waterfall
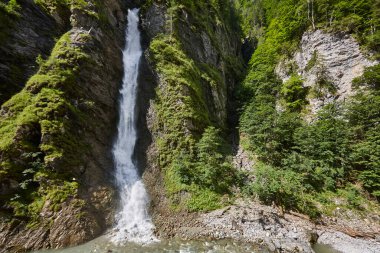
{"points": [[133, 221]]}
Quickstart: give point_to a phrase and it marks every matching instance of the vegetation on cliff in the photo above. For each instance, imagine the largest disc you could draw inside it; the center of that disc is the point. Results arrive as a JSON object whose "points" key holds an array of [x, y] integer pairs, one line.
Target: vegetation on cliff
{"points": [[300, 165], [38, 133], [334, 155], [11, 8], [43, 143], [62, 7], [193, 153]]}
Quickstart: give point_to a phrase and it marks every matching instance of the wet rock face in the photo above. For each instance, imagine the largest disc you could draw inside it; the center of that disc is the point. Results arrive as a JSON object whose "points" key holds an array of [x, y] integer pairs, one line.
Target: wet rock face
{"points": [[24, 38], [335, 58]]}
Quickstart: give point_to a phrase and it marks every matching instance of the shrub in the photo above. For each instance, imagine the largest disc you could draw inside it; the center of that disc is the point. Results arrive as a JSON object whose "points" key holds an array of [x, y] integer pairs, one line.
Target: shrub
{"points": [[204, 200], [270, 133], [370, 78], [212, 164], [283, 187]]}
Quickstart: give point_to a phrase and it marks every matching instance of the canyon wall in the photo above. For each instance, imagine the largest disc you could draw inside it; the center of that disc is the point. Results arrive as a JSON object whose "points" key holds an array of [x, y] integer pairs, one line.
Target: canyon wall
{"points": [[57, 131]]}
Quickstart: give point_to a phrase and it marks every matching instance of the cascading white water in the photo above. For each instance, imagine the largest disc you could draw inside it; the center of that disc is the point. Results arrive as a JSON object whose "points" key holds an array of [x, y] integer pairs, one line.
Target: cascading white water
{"points": [[133, 221]]}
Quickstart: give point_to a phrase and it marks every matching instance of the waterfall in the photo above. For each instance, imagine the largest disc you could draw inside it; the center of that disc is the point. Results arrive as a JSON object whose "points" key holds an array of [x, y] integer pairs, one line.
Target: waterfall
{"points": [[133, 221]]}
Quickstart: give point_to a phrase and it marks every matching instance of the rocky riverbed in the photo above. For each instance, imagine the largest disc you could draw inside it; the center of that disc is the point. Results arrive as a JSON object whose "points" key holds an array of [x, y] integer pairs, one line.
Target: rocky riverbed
{"points": [[262, 225]]}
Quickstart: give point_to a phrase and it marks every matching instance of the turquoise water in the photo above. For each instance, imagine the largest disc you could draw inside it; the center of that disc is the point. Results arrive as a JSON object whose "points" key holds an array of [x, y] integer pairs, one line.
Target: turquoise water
{"points": [[103, 245], [320, 248]]}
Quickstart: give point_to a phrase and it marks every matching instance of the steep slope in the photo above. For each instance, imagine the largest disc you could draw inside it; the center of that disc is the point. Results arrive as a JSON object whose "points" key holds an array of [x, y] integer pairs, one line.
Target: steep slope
{"points": [[194, 51], [307, 122], [56, 133]]}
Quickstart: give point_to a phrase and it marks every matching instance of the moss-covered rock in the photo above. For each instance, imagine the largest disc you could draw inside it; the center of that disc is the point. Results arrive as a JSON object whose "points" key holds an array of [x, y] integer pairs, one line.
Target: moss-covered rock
{"points": [[57, 134], [195, 53]]}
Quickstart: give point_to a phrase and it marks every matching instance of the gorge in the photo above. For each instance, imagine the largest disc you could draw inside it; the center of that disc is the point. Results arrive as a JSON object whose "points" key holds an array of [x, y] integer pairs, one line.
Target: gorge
{"points": [[243, 126]]}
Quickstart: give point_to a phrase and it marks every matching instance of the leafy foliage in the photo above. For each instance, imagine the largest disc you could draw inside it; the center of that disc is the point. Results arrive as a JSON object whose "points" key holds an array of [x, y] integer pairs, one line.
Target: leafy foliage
{"points": [[359, 17], [212, 164], [340, 146], [270, 133], [364, 121], [369, 79]]}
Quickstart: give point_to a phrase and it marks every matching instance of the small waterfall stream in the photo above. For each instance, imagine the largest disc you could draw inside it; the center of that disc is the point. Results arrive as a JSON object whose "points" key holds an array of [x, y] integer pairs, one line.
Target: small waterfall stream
{"points": [[133, 221]]}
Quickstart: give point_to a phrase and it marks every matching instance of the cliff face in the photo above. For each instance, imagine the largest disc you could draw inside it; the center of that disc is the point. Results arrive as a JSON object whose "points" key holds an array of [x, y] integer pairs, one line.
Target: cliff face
{"points": [[335, 59], [58, 129], [25, 32], [57, 132], [195, 61]]}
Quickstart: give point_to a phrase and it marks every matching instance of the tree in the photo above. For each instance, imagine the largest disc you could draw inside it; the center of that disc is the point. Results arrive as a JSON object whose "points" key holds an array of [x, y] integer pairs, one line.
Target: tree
{"points": [[310, 12], [294, 93], [283, 187], [212, 164]]}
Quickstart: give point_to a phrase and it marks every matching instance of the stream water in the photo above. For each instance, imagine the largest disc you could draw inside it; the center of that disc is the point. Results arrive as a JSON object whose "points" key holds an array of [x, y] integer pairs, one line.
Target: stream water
{"points": [[103, 245]]}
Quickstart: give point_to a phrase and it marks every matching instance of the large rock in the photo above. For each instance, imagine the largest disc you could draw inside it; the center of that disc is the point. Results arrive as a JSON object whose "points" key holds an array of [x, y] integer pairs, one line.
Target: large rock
{"points": [[337, 58]]}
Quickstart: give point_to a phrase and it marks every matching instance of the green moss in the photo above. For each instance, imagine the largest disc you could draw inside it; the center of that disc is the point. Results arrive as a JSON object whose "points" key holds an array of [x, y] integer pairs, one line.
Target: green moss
{"points": [[211, 75], [182, 95], [52, 6], [204, 200], [54, 195], [181, 115], [183, 107], [42, 121], [92, 8], [12, 7], [58, 194]]}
